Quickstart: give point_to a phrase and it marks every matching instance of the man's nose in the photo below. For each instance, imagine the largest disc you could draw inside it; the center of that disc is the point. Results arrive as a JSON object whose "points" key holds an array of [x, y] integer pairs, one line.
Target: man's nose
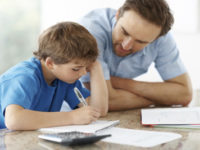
{"points": [[127, 43]]}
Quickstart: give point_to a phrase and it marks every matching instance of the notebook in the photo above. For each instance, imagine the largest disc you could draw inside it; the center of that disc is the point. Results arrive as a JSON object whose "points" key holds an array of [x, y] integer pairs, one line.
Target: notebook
{"points": [[90, 128], [185, 117]]}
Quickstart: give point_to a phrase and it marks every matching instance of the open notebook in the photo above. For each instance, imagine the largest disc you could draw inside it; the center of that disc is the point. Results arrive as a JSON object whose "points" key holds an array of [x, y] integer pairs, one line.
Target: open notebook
{"points": [[90, 128]]}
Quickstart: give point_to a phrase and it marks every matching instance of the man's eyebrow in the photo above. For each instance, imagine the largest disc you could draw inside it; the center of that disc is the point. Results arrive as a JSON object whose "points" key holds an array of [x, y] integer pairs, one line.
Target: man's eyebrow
{"points": [[139, 41], [125, 32]]}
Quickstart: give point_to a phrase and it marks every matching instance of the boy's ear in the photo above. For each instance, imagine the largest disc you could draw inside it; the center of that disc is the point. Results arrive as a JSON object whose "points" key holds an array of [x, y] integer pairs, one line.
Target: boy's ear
{"points": [[49, 63]]}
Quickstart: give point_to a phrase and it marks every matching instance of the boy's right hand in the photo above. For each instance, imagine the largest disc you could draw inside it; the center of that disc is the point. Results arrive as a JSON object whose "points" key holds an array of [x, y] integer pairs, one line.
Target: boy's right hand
{"points": [[85, 115]]}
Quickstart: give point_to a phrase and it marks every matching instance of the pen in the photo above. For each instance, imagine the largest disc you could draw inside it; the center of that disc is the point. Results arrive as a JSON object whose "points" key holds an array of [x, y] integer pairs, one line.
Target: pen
{"points": [[80, 96]]}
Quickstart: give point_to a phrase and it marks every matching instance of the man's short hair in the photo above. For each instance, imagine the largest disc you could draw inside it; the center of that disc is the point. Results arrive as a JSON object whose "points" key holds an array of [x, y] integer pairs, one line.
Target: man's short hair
{"points": [[155, 11], [66, 41]]}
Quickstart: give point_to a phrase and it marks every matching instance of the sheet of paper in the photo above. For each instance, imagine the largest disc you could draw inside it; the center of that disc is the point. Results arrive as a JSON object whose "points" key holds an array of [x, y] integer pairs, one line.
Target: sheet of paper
{"points": [[189, 115], [139, 138], [90, 128]]}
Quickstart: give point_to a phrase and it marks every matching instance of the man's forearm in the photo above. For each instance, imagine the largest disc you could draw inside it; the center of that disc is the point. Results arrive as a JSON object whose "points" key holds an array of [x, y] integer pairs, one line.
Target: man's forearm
{"points": [[123, 100], [164, 93]]}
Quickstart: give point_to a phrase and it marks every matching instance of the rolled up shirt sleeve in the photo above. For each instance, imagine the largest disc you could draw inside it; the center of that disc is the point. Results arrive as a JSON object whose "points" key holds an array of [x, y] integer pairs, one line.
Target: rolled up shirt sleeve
{"points": [[168, 62]]}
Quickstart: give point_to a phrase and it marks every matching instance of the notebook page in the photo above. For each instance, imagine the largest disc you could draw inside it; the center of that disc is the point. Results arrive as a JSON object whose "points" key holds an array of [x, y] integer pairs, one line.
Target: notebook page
{"points": [[140, 138], [189, 115], [90, 128]]}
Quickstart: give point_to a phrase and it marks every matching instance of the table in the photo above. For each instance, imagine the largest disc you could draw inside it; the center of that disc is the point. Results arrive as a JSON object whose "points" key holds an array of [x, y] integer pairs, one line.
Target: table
{"points": [[28, 140]]}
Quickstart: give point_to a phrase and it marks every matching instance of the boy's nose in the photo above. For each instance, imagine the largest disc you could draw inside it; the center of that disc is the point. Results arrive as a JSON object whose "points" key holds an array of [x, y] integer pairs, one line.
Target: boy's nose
{"points": [[83, 72], [127, 43]]}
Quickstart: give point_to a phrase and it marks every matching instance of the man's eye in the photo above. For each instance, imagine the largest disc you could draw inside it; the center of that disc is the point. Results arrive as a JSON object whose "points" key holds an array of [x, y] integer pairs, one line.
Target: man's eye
{"points": [[74, 69], [124, 32], [141, 42]]}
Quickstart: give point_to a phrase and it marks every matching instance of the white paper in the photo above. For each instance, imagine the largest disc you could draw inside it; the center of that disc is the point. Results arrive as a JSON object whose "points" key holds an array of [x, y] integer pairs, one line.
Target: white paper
{"points": [[181, 126], [190, 115], [140, 138], [90, 128]]}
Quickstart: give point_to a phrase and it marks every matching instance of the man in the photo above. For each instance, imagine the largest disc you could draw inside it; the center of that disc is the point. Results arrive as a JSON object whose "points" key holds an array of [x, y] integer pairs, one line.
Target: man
{"points": [[130, 40]]}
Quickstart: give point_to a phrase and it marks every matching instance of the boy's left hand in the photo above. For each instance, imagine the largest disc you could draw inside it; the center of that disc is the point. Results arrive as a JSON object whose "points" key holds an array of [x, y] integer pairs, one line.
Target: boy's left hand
{"points": [[95, 65]]}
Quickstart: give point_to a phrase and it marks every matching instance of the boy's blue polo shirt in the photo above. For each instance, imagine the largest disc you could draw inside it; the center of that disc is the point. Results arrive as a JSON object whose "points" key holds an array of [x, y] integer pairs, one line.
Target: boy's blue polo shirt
{"points": [[25, 85], [163, 52]]}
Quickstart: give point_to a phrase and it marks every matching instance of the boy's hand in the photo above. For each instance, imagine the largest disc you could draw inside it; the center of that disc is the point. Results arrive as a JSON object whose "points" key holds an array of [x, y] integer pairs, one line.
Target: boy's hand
{"points": [[85, 115], [93, 66]]}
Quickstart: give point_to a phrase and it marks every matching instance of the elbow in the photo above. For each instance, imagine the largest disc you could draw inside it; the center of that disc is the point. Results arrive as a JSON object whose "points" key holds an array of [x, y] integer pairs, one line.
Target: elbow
{"points": [[11, 123], [187, 98]]}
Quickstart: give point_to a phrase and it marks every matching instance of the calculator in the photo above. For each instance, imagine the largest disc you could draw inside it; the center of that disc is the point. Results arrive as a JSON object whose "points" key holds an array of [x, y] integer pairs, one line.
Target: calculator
{"points": [[73, 138]]}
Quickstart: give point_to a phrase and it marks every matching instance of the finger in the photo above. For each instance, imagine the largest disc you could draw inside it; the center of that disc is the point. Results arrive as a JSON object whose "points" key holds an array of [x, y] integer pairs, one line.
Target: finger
{"points": [[97, 114], [95, 109], [94, 119]]}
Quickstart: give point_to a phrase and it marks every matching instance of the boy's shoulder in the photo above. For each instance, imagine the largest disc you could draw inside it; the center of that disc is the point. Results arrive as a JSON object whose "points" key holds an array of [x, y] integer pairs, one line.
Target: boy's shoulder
{"points": [[29, 68]]}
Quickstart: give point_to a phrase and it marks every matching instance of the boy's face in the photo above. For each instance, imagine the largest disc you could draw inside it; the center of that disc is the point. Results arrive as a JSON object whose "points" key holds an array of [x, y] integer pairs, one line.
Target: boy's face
{"points": [[132, 33], [70, 72]]}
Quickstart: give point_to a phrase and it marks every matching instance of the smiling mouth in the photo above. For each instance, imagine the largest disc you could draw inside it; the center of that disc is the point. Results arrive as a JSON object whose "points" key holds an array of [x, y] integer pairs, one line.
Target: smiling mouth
{"points": [[124, 51], [120, 49]]}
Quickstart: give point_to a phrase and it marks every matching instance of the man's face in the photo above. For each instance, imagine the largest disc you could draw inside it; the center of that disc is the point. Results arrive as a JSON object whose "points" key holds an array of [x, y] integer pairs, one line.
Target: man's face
{"points": [[132, 33]]}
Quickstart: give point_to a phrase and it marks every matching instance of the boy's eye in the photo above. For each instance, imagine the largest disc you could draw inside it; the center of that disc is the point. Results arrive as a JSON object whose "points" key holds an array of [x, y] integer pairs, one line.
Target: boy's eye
{"points": [[75, 69]]}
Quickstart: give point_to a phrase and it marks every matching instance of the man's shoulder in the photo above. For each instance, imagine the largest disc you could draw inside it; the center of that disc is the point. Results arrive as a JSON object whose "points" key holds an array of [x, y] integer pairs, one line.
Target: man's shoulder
{"points": [[100, 23], [104, 12], [101, 17]]}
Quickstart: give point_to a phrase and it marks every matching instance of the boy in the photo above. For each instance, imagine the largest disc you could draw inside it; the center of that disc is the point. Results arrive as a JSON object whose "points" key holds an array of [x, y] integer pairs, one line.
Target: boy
{"points": [[33, 91]]}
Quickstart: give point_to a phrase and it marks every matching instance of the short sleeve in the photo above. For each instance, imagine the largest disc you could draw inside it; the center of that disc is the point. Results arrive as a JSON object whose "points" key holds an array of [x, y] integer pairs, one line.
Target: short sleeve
{"points": [[168, 61], [100, 42], [18, 91], [98, 24]]}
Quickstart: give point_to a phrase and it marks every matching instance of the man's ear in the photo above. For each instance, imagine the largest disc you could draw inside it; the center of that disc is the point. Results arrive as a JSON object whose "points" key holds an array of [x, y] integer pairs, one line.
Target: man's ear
{"points": [[49, 63], [117, 14]]}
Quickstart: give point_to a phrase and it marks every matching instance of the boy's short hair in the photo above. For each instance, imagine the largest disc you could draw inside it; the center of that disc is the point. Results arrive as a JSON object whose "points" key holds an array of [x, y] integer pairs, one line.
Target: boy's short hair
{"points": [[155, 11], [66, 41]]}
